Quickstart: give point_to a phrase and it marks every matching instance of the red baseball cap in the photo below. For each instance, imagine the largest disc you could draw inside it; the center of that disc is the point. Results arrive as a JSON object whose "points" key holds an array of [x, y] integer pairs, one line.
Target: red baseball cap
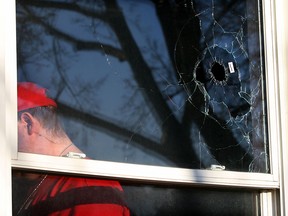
{"points": [[31, 95]]}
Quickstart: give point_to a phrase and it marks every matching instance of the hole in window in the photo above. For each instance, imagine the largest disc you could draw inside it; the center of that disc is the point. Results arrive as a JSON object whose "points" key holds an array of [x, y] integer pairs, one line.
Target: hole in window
{"points": [[218, 71]]}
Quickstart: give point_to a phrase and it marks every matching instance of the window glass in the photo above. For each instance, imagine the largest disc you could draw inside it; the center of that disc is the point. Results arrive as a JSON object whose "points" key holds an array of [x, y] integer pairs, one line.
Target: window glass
{"points": [[141, 199], [166, 83], [170, 200]]}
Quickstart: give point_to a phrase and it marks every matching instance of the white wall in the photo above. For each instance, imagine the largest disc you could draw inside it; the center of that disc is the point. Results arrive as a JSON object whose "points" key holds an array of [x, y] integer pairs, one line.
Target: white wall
{"points": [[7, 32], [5, 180]]}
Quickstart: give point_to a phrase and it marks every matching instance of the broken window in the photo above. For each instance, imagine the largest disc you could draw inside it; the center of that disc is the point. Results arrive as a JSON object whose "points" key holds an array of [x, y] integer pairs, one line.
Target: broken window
{"points": [[167, 83]]}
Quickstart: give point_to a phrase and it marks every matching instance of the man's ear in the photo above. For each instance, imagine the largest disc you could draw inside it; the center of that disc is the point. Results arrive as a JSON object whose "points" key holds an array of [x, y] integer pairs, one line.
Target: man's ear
{"points": [[28, 120]]}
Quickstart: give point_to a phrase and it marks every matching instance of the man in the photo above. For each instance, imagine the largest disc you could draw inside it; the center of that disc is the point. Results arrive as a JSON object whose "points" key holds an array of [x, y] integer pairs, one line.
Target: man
{"points": [[39, 131]]}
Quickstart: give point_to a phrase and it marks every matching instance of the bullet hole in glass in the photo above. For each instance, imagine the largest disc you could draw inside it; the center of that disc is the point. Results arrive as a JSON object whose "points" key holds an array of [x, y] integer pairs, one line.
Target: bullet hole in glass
{"points": [[218, 71]]}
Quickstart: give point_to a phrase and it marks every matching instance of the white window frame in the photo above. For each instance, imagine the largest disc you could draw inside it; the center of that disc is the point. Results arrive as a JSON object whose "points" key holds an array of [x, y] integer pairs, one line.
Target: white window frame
{"points": [[272, 185], [280, 18]]}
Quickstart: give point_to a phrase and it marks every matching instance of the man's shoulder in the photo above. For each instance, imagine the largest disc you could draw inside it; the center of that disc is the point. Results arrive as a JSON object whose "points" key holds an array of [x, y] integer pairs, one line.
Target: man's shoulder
{"points": [[72, 181]]}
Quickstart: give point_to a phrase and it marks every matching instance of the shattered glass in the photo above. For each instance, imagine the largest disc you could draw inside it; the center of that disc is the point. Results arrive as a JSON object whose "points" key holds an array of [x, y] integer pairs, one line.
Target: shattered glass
{"points": [[159, 82]]}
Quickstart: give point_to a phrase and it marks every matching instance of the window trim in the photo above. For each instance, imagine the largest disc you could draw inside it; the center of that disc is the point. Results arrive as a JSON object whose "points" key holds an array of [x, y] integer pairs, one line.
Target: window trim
{"points": [[144, 172], [280, 18]]}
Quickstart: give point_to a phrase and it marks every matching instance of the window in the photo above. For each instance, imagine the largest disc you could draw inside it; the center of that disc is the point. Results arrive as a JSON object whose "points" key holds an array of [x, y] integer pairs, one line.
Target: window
{"points": [[182, 87], [234, 134], [156, 199]]}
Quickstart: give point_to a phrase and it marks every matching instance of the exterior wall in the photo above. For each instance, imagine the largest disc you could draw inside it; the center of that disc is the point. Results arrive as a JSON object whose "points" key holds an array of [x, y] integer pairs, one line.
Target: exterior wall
{"points": [[5, 181]]}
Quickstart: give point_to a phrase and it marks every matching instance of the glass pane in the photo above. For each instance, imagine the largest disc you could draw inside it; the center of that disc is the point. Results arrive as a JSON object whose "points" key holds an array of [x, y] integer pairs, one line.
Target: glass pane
{"points": [[144, 200], [141, 199], [168, 83]]}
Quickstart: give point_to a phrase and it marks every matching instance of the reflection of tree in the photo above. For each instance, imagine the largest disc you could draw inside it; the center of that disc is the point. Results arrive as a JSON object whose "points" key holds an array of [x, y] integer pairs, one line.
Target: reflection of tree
{"points": [[176, 143]]}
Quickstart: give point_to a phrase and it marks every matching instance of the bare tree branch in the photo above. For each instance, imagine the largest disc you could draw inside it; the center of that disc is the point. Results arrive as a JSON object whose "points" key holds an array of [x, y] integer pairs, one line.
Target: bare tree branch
{"points": [[77, 43]]}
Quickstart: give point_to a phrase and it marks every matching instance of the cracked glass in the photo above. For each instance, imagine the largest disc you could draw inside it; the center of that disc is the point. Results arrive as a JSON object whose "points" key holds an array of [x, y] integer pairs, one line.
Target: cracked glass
{"points": [[157, 82]]}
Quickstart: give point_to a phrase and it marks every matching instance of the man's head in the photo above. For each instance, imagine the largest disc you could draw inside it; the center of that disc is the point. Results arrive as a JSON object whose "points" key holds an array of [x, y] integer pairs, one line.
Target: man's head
{"points": [[37, 118]]}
